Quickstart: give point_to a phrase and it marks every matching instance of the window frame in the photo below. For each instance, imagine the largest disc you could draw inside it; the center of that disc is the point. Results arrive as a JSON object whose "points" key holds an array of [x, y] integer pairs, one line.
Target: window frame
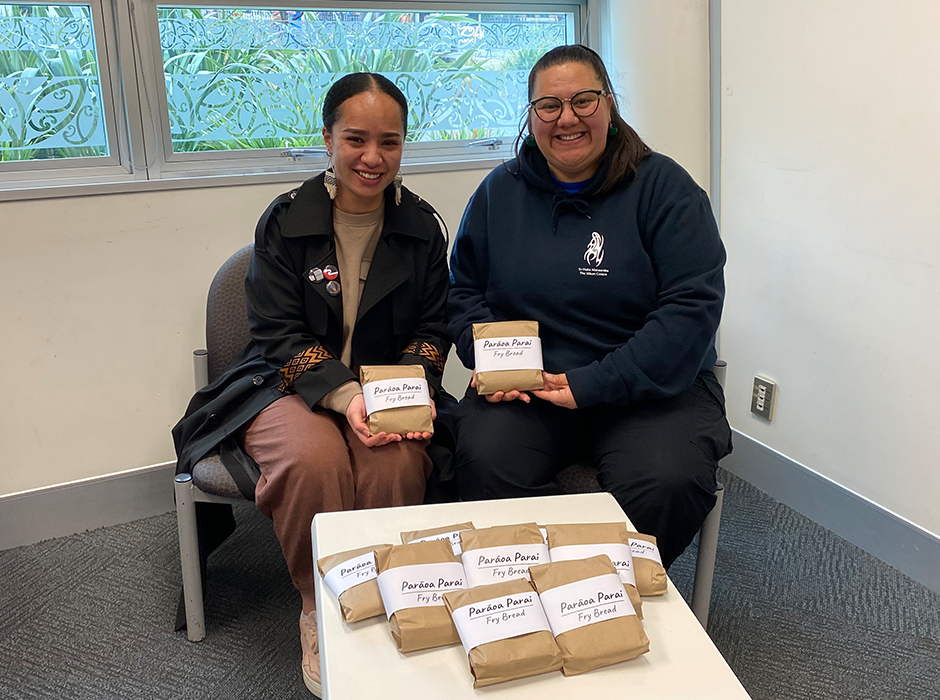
{"points": [[116, 96], [137, 117]]}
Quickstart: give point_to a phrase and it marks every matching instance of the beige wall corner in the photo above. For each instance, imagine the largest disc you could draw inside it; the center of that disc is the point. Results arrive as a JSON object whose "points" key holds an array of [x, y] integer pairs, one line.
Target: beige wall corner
{"points": [[657, 54]]}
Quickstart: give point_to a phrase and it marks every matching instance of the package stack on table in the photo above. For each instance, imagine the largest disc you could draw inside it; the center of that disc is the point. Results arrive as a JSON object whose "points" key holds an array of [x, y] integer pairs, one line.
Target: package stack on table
{"points": [[504, 595]]}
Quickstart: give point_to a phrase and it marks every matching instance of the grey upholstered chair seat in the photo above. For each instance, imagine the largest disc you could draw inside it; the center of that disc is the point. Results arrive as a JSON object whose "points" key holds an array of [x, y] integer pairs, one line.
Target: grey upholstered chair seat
{"points": [[578, 478], [211, 476]]}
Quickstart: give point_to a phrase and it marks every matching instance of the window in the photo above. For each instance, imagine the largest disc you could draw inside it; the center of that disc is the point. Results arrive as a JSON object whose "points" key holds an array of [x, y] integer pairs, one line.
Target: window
{"points": [[237, 90], [51, 99], [59, 88]]}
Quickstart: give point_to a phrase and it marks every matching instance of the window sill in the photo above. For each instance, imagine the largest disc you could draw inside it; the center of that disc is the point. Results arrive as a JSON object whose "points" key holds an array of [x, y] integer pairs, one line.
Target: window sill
{"points": [[85, 189]]}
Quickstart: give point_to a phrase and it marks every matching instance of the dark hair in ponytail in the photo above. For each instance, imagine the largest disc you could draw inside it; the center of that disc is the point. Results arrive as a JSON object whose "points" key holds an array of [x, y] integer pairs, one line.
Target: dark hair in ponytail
{"points": [[356, 83], [625, 149]]}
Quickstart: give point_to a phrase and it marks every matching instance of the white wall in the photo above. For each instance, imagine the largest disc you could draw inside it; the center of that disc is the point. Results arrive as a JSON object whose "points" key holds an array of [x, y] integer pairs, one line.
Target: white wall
{"points": [[830, 184], [657, 55], [103, 303]]}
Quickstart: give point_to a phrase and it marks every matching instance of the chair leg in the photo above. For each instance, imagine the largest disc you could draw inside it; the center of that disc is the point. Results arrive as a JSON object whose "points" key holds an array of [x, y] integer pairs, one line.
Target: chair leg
{"points": [[705, 562], [189, 557]]}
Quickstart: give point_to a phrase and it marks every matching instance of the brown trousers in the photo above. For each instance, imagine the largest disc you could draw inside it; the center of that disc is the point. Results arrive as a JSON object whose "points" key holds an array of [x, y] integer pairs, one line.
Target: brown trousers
{"points": [[312, 462]]}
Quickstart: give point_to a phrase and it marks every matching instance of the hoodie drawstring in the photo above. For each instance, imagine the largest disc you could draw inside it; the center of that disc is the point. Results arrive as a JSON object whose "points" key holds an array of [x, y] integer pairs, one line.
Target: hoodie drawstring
{"points": [[574, 202]]}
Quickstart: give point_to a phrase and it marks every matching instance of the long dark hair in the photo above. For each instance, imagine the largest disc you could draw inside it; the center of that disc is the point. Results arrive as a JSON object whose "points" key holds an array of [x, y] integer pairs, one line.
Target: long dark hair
{"points": [[625, 149], [356, 83]]}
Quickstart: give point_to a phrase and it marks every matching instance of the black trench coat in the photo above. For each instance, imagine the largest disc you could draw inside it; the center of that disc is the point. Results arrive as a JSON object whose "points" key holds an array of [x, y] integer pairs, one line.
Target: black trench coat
{"points": [[297, 326]]}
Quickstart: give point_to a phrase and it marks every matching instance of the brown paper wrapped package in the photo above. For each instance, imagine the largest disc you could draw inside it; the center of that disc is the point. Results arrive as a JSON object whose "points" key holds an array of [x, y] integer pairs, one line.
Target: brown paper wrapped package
{"points": [[506, 659], [598, 644], [404, 419], [523, 533], [650, 575], [595, 533], [507, 379], [419, 628], [412, 535], [362, 601]]}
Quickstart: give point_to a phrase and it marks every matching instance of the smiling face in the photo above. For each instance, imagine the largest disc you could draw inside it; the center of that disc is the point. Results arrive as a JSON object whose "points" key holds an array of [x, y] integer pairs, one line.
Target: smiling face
{"points": [[573, 145], [366, 144]]}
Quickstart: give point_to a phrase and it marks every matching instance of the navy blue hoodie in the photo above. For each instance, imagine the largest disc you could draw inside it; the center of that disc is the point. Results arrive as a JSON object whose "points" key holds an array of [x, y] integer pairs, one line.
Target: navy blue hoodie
{"points": [[626, 285]]}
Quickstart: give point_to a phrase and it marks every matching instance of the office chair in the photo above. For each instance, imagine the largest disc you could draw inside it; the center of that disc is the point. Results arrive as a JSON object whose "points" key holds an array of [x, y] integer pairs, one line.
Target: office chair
{"points": [[209, 482], [582, 478]]}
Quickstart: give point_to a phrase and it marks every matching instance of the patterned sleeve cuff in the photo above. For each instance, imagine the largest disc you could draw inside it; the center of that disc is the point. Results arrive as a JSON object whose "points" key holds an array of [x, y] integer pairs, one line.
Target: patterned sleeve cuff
{"points": [[428, 351], [299, 364]]}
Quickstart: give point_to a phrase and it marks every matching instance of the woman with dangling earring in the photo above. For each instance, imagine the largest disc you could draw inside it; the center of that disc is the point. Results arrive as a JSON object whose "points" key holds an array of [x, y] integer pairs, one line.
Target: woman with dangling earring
{"points": [[614, 250], [349, 269]]}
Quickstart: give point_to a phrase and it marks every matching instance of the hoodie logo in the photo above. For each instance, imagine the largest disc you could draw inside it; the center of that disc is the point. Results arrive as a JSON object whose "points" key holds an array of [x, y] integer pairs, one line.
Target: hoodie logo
{"points": [[594, 256]]}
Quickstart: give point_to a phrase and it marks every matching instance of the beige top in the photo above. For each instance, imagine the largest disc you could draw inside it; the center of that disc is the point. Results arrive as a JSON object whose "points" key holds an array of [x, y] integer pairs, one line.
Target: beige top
{"points": [[356, 236]]}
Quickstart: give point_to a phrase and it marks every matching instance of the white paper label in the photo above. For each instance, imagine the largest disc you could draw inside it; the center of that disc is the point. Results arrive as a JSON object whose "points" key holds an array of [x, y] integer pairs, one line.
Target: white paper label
{"points": [[499, 618], [544, 534], [350, 573], [619, 555], [395, 393], [494, 564], [645, 550], [453, 537], [419, 585], [585, 602], [524, 352]]}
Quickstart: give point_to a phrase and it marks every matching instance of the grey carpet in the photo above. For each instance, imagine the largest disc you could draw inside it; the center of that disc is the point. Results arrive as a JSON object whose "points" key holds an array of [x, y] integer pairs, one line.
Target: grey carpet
{"points": [[797, 612]]}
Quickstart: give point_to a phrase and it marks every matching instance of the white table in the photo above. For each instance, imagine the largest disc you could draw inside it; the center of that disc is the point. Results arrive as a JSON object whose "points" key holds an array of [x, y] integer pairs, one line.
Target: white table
{"points": [[360, 661]]}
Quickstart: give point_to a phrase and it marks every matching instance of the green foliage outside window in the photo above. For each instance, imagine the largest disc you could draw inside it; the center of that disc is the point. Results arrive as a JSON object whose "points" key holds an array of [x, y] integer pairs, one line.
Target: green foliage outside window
{"points": [[50, 93]]}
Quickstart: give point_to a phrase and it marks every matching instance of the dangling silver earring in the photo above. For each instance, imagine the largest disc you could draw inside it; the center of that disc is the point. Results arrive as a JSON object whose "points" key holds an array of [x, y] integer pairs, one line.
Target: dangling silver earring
{"points": [[329, 178], [397, 183]]}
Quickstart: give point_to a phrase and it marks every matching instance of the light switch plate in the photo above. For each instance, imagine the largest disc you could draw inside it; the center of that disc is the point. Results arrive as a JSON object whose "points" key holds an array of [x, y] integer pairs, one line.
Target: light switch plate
{"points": [[762, 398]]}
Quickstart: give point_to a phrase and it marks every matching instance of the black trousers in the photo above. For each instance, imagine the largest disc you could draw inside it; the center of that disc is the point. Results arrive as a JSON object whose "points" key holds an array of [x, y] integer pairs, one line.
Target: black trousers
{"points": [[658, 459]]}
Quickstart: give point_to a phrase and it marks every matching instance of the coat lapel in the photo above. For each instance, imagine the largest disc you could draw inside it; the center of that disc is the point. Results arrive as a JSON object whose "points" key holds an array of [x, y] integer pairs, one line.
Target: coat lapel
{"points": [[388, 272], [320, 253], [311, 217], [385, 275]]}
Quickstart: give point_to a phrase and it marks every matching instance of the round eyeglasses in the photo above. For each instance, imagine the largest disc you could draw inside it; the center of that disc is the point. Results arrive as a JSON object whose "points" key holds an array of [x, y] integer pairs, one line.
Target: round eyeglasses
{"points": [[583, 104]]}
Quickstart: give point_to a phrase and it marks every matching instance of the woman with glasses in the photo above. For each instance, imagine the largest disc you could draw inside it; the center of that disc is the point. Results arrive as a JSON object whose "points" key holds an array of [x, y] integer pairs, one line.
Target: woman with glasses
{"points": [[614, 250]]}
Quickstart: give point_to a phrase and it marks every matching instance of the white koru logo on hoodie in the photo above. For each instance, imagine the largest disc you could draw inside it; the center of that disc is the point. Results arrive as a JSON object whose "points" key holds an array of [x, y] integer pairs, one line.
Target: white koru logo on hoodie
{"points": [[594, 255]]}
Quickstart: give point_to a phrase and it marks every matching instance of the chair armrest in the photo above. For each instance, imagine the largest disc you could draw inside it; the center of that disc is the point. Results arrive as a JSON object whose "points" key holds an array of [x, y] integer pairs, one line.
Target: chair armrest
{"points": [[720, 369], [200, 368]]}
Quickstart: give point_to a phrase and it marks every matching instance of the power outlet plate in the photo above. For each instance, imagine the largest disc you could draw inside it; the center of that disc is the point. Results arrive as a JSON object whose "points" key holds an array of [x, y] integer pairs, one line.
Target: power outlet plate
{"points": [[762, 398]]}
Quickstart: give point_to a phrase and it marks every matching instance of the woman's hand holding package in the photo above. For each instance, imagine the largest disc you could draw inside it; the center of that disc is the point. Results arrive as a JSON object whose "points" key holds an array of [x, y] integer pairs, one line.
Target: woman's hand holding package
{"points": [[423, 436], [356, 415], [556, 391], [502, 395]]}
